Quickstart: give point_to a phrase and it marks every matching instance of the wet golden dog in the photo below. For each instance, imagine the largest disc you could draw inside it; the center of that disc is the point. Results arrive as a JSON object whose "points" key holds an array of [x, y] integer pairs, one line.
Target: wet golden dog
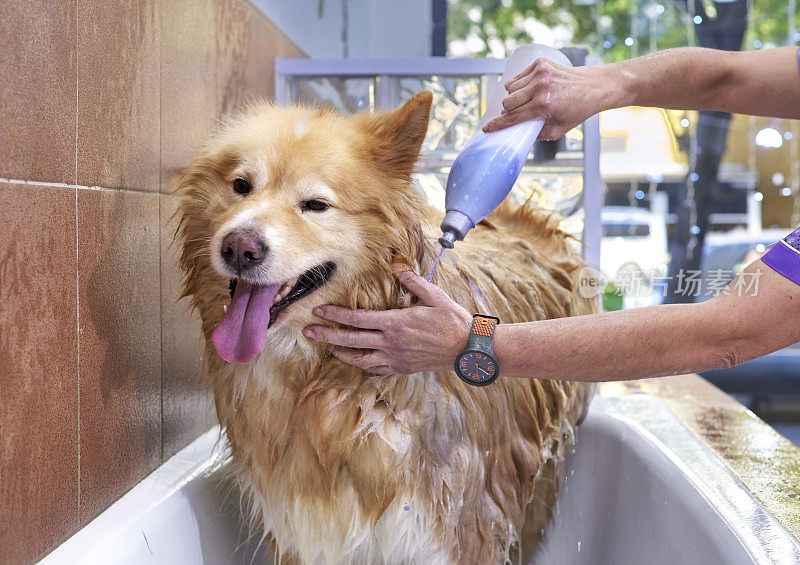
{"points": [[303, 207]]}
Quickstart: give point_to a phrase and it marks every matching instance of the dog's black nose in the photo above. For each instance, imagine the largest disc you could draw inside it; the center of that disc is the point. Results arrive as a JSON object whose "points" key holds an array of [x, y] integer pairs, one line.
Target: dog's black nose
{"points": [[243, 250]]}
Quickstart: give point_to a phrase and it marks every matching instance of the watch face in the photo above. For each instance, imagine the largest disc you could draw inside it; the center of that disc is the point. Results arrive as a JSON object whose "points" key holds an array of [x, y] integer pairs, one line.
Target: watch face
{"points": [[476, 367]]}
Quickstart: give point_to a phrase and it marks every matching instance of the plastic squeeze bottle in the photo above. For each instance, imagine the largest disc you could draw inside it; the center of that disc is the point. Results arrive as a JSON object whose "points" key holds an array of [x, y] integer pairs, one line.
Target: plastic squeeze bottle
{"points": [[484, 172]]}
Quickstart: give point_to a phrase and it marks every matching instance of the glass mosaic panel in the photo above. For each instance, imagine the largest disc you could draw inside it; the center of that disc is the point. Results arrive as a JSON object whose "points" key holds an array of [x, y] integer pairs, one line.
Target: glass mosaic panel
{"points": [[348, 94], [457, 103]]}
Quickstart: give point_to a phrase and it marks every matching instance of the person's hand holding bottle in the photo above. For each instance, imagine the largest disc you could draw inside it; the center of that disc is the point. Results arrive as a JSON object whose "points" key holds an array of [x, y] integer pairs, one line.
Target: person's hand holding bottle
{"points": [[564, 96]]}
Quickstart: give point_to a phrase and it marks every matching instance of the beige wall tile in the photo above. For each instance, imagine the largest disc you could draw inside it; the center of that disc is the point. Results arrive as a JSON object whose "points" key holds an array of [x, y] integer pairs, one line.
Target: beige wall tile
{"points": [[38, 90], [38, 370], [216, 57], [188, 79], [187, 399], [120, 344], [119, 94]]}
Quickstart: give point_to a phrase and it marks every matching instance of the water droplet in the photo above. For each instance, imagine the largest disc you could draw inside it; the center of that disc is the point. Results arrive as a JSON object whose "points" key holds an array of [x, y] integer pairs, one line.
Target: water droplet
{"points": [[579, 547]]}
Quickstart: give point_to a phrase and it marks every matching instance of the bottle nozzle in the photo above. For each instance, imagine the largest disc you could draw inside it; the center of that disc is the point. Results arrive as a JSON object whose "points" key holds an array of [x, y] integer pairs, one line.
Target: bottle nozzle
{"points": [[448, 240], [454, 228]]}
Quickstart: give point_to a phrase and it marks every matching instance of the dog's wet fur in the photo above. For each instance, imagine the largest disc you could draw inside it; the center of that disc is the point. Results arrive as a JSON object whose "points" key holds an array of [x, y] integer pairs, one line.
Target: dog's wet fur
{"points": [[336, 465]]}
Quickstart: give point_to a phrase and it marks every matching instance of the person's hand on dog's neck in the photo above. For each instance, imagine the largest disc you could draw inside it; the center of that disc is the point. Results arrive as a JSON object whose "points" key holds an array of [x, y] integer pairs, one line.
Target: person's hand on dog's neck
{"points": [[424, 337]]}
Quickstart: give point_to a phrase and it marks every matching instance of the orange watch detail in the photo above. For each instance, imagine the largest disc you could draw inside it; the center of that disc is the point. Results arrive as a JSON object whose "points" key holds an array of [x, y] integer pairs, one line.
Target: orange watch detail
{"points": [[483, 326]]}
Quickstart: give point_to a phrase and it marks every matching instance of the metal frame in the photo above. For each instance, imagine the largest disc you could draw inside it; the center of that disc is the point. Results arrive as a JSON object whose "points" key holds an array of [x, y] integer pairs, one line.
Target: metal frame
{"points": [[491, 69]]}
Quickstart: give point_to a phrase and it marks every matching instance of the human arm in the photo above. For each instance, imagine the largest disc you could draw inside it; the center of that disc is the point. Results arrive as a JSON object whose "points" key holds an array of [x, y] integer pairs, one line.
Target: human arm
{"points": [[659, 340], [764, 82], [630, 344]]}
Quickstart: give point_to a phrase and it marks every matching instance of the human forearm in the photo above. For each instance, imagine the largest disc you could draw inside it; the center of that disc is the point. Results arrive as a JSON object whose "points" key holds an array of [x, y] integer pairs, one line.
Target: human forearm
{"points": [[690, 78], [630, 344], [759, 313]]}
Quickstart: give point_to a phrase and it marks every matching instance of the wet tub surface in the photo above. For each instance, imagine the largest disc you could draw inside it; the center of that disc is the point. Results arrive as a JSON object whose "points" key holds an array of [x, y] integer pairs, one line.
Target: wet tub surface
{"points": [[640, 487]]}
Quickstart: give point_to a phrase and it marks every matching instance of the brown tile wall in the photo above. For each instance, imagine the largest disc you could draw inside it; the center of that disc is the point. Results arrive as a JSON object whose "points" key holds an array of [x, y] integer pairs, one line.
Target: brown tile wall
{"points": [[100, 109]]}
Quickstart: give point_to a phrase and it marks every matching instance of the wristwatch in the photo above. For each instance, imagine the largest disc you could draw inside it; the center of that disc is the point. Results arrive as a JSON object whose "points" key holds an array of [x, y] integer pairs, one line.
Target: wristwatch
{"points": [[477, 364]]}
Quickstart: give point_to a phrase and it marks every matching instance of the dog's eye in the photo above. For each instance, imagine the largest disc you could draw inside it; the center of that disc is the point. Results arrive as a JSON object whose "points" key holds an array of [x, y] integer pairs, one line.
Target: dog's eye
{"points": [[315, 206], [242, 186]]}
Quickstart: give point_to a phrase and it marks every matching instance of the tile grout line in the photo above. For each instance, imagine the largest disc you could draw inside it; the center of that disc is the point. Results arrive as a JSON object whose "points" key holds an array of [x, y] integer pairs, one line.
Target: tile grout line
{"points": [[77, 186], [161, 327], [77, 270], [160, 235]]}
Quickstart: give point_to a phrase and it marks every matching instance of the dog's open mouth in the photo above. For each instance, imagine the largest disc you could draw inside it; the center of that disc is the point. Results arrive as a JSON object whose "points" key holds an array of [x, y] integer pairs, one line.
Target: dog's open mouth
{"points": [[295, 289], [242, 333]]}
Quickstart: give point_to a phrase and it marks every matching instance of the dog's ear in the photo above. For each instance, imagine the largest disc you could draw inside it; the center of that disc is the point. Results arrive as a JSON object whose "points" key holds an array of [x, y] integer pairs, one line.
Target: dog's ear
{"points": [[396, 136]]}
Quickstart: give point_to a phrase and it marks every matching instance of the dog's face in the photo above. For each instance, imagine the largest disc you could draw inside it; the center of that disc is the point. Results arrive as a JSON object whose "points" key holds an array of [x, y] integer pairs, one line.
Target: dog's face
{"points": [[296, 206]]}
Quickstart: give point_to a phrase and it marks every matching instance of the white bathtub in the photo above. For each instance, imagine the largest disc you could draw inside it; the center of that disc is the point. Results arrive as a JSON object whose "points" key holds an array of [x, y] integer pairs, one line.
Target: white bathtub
{"points": [[640, 488]]}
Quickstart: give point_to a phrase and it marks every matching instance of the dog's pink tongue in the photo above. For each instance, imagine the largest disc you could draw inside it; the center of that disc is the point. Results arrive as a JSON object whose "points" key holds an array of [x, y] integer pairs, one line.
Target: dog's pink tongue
{"points": [[242, 333]]}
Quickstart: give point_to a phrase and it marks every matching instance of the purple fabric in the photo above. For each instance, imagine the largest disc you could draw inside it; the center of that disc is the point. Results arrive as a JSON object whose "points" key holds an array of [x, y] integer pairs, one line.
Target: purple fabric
{"points": [[784, 257]]}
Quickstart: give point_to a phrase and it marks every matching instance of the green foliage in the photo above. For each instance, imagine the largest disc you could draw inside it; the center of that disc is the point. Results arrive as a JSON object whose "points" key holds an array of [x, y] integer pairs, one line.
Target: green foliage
{"points": [[603, 26], [769, 24]]}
